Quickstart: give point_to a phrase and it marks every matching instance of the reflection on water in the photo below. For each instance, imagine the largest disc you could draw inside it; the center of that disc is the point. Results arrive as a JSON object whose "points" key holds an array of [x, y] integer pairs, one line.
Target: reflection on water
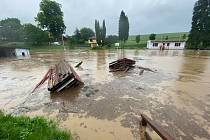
{"points": [[179, 89]]}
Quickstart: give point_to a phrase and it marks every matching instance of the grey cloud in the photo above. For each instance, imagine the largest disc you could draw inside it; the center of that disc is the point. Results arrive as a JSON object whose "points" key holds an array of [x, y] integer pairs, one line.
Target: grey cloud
{"points": [[145, 16]]}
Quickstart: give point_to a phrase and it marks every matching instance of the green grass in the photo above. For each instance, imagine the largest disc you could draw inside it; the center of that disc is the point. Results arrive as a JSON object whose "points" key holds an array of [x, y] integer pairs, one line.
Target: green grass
{"points": [[144, 38], [171, 36], [25, 128]]}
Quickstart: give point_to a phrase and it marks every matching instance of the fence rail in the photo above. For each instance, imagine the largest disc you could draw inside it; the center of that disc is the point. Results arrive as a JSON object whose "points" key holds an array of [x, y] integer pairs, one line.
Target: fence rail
{"points": [[162, 133]]}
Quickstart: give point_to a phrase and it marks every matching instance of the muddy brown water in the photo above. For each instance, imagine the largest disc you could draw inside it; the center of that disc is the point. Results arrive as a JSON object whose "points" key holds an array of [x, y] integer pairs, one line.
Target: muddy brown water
{"points": [[108, 106]]}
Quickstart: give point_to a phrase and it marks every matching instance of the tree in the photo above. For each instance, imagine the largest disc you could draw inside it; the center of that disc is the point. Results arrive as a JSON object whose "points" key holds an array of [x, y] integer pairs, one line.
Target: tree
{"points": [[77, 38], [77, 34], [34, 35], [200, 30], [11, 29], [152, 37], [137, 39], [86, 33], [123, 27], [166, 38], [184, 36], [97, 31], [50, 17], [103, 32], [111, 39], [100, 32]]}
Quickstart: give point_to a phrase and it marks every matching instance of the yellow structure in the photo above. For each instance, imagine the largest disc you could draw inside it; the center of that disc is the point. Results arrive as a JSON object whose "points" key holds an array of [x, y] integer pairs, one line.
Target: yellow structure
{"points": [[92, 41]]}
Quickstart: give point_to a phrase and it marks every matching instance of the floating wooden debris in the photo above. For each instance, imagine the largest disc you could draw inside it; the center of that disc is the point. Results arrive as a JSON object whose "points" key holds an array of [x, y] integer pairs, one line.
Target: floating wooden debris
{"points": [[59, 77], [79, 64], [122, 65], [141, 72], [146, 69]]}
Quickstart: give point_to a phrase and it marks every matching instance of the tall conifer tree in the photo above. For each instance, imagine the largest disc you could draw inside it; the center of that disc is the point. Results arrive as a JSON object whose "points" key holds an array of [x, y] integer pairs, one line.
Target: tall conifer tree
{"points": [[200, 31], [100, 32], [123, 27]]}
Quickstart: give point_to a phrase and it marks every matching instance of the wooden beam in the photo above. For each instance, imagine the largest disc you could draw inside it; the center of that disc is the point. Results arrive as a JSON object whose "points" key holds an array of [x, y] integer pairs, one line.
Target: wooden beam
{"points": [[162, 133]]}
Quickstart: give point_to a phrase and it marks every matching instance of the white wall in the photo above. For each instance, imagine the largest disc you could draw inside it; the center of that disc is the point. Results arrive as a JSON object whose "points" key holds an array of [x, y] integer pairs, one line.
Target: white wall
{"points": [[170, 47], [19, 53]]}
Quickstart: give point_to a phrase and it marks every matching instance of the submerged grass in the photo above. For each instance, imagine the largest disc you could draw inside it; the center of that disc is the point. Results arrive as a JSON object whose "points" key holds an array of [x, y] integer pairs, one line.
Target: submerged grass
{"points": [[25, 128]]}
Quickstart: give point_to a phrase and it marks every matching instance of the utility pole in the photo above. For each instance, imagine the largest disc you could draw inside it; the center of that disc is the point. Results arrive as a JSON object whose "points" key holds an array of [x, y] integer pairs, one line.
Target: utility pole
{"points": [[63, 43]]}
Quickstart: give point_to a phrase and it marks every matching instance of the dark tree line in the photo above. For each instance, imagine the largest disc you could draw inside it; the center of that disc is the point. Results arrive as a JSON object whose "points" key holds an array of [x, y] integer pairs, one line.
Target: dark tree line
{"points": [[50, 26], [11, 30], [35, 35], [82, 35], [199, 37], [100, 31]]}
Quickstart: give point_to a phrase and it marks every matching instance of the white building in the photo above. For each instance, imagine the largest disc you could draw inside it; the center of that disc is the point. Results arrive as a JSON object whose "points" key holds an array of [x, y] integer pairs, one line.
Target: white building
{"points": [[14, 52], [21, 52], [166, 45], [93, 42]]}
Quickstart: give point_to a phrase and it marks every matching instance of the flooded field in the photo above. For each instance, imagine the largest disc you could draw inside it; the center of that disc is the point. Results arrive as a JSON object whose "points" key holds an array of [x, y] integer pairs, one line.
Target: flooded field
{"points": [[109, 105]]}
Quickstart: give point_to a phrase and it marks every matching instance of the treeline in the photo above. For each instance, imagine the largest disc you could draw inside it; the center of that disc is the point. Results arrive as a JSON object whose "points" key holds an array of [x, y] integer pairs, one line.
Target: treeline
{"points": [[123, 34], [11, 30], [50, 26], [81, 36]]}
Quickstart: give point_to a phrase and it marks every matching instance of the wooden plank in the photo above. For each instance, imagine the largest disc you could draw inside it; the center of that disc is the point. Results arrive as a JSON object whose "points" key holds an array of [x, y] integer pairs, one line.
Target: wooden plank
{"points": [[66, 84], [79, 64], [74, 73], [45, 78], [162, 133]]}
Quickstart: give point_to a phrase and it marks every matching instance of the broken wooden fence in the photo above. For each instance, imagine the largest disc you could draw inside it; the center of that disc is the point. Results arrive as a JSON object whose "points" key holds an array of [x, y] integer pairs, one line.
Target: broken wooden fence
{"points": [[145, 121]]}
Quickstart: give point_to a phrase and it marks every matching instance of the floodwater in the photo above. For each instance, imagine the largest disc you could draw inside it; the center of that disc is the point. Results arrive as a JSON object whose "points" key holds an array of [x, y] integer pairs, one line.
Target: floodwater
{"points": [[109, 105]]}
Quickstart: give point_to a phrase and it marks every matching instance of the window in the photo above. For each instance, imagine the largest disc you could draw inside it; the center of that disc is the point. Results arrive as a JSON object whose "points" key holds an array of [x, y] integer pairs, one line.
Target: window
{"points": [[177, 44], [155, 44], [168, 44]]}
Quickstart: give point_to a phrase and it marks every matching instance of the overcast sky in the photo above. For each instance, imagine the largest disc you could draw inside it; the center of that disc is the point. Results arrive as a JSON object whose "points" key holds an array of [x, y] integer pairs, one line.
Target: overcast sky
{"points": [[145, 16]]}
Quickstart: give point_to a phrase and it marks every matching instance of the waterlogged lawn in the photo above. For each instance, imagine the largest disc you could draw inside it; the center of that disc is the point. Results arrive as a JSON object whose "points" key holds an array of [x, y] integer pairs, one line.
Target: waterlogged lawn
{"points": [[25, 128]]}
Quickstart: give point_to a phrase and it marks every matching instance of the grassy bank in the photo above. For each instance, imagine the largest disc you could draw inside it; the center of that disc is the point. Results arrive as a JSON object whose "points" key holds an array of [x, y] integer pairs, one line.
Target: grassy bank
{"points": [[131, 42], [25, 128], [145, 38]]}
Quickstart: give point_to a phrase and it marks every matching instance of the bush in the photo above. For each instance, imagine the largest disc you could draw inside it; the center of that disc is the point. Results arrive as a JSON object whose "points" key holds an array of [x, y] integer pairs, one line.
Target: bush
{"points": [[111, 39]]}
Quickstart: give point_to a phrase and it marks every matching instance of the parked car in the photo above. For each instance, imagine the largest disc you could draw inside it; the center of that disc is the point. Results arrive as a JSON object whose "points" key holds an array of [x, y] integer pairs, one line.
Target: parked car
{"points": [[56, 43]]}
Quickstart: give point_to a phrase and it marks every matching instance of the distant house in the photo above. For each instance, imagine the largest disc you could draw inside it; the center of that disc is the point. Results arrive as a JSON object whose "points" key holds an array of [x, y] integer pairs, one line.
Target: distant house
{"points": [[56, 43], [166, 45], [92, 42], [116, 44], [14, 52]]}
